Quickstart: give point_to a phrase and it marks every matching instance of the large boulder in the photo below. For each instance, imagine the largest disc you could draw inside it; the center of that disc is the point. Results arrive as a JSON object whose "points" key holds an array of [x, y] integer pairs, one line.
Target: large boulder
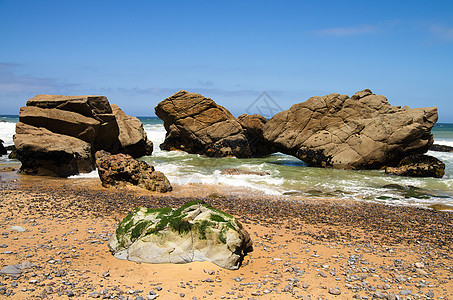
{"points": [[120, 169], [193, 232], [132, 136], [418, 165], [198, 125], [43, 152], [87, 121], [361, 132], [253, 126]]}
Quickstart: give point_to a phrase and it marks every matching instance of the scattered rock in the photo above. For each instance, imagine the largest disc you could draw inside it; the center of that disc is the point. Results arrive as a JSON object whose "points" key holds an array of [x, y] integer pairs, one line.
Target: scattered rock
{"points": [[3, 150], [193, 232], [119, 169], [418, 165]]}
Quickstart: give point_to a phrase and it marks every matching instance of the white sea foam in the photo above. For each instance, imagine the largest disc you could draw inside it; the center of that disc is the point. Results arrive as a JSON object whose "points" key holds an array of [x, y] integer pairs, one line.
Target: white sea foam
{"points": [[92, 174], [7, 130]]}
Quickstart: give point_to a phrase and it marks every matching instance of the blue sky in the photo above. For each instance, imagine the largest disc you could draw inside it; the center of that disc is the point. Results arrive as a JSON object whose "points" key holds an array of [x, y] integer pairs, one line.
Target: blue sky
{"points": [[139, 52]]}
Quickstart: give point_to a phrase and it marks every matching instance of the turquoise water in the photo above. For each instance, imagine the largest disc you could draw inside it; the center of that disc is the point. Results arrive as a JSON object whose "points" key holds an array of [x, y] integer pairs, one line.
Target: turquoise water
{"points": [[290, 177]]}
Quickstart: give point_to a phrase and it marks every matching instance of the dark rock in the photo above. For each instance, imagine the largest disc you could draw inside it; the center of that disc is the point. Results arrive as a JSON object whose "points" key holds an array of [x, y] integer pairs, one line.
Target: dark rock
{"points": [[361, 132], [198, 125], [418, 165], [253, 126], [119, 169], [3, 150], [441, 148], [242, 172]]}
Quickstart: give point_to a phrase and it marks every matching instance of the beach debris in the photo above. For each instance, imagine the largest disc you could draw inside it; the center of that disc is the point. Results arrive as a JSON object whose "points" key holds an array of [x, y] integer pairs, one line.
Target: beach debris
{"points": [[198, 125], [194, 232], [56, 135], [361, 132], [119, 169], [418, 165]]}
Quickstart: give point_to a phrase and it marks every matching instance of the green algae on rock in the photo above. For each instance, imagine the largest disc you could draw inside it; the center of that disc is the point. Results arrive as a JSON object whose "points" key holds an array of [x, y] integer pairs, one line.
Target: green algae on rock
{"points": [[194, 232]]}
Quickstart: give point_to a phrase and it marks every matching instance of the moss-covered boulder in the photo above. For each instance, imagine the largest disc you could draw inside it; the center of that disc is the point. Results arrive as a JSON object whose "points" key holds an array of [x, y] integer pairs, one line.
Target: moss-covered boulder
{"points": [[194, 232]]}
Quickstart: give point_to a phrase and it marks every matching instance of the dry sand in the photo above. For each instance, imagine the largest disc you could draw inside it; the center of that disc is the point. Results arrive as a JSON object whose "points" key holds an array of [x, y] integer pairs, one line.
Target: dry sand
{"points": [[303, 249]]}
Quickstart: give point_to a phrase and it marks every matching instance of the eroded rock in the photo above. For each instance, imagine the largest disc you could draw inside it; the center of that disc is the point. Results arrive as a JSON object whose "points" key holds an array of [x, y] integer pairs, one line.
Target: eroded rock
{"points": [[198, 125], [120, 169], [418, 165], [361, 132], [193, 232]]}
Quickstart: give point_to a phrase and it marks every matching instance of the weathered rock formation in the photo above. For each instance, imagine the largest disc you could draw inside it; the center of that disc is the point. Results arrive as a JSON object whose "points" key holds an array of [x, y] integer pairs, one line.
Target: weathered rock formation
{"points": [[253, 126], [418, 165], [120, 169], [361, 132], [193, 232], [58, 135], [198, 125]]}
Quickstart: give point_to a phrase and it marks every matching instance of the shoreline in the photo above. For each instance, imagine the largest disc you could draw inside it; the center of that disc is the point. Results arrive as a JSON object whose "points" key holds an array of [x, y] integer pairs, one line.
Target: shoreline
{"points": [[302, 248]]}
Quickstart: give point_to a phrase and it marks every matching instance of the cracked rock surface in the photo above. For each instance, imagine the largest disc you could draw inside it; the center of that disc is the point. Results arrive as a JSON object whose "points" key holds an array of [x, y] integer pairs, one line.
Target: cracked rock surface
{"points": [[361, 132], [198, 125]]}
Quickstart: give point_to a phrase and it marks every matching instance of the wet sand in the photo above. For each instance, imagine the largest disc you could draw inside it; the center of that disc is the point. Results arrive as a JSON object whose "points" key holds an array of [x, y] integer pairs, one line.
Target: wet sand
{"points": [[303, 248]]}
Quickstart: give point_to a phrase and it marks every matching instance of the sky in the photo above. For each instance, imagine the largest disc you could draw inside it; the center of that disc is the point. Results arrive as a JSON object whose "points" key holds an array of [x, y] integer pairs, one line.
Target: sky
{"points": [[239, 53]]}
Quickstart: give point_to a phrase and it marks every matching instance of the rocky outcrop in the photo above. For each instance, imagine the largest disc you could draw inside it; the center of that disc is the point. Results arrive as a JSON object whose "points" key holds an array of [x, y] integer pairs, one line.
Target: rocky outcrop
{"points": [[361, 132], [193, 232], [253, 126], [418, 165], [2, 149], [198, 125], [79, 126], [43, 152], [441, 148], [120, 169]]}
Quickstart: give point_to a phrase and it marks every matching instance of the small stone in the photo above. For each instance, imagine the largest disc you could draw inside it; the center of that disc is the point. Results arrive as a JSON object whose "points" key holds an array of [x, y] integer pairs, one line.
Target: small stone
{"points": [[3, 246], [379, 295], [94, 295], [70, 294], [334, 291], [151, 297], [182, 295], [391, 296], [10, 270], [211, 272], [106, 274], [429, 294], [405, 293], [421, 272], [18, 228], [419, 265]]}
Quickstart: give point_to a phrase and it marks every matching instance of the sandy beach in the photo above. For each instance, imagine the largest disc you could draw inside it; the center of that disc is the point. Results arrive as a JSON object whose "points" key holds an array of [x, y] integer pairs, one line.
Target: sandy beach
{"points": [[56, 231]]}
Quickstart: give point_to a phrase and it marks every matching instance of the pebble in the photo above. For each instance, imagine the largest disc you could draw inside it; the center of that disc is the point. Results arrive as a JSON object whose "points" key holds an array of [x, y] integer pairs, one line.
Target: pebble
{"points": [[379, 295], [18, 228], [405, 293], [94, 295], [10, 270], [334, 291]]}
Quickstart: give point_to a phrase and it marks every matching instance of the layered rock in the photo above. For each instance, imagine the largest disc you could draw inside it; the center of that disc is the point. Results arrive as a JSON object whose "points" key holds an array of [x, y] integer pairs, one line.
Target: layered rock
{"points": [[418, 165], [253, 126], [43, 152], [193, 232], [361, 132], [198, 125], [120, 169], [441, 148], [85, 122], [132, 136]]}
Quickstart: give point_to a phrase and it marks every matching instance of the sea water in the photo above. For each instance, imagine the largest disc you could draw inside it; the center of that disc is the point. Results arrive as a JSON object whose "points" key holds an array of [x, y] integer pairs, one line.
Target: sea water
{"points": [[288, 176]]}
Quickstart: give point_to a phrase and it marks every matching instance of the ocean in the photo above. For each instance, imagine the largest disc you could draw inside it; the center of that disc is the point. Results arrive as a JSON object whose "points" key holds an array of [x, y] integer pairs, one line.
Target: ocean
{"points": [[288, 176]]}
